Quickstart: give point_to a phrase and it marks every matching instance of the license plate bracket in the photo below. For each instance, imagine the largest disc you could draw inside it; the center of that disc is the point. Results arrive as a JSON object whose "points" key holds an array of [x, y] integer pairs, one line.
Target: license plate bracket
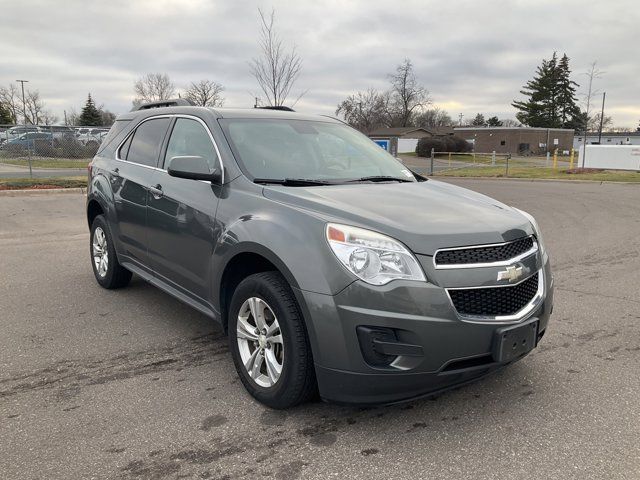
{"points": [[514, 341]]}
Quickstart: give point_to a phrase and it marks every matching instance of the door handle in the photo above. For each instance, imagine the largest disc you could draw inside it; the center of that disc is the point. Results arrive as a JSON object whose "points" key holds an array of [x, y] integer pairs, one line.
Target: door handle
{"points": [[156, 191]]}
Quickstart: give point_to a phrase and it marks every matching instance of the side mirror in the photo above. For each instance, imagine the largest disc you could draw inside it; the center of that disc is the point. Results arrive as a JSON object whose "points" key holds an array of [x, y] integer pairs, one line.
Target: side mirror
{"points": [[193, 168]]}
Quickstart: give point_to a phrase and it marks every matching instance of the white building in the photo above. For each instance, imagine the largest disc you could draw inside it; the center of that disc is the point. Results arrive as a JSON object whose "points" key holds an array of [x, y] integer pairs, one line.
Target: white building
{"points": [[608, 138]]}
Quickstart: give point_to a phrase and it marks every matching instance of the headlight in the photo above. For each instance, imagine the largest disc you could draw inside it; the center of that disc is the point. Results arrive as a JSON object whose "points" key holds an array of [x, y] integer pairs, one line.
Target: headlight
{"points": [[536, 227], [372, 257]]}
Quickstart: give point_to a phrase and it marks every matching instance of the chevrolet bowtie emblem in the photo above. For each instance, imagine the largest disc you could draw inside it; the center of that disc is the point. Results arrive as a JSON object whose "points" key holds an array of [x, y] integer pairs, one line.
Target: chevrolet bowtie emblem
{"points": [[511, 273]]}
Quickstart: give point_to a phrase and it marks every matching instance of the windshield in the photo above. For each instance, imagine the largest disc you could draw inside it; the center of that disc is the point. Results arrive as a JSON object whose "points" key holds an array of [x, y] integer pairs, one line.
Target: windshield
{"points": [[298, 149]]}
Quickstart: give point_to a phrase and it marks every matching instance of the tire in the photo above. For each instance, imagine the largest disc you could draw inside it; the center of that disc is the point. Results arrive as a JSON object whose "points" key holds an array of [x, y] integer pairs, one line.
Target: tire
{"points": [[109, 274], [272, 296]]}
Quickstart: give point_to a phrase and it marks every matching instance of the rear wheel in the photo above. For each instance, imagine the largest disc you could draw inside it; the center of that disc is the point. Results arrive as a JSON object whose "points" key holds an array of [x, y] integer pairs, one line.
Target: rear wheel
{"points": [[269, 343], [106, 268]]}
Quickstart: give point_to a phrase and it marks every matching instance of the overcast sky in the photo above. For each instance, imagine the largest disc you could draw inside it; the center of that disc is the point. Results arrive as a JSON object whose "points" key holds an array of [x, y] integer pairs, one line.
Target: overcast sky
{"points": [[473, 56]]}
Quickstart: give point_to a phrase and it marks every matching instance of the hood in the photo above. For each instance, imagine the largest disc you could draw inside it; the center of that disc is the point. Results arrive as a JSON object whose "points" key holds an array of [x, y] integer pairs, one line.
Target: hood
{"points": [[425, 216]]}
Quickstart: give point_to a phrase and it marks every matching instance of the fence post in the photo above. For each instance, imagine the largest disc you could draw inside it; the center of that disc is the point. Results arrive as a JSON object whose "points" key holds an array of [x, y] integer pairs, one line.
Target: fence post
{"points": [[433, 152], [29, 158], [555, 159], [506, 173], [573, 152], [449, 159], [546, 162], [493, 158]]}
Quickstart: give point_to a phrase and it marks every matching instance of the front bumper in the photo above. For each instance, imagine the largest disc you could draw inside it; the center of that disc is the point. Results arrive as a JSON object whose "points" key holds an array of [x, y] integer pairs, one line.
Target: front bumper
{"points": [[454, 351]]}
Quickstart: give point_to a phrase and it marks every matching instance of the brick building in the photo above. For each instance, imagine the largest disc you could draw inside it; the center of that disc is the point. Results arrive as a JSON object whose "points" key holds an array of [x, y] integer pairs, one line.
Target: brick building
{"points": [[517, 140]]}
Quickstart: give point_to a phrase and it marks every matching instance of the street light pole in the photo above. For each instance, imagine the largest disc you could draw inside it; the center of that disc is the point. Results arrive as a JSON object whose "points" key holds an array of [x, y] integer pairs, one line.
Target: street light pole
{"points": [[24, 105]]}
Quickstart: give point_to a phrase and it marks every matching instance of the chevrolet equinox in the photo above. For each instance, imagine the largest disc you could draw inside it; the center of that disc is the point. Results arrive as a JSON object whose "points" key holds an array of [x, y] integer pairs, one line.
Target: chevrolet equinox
{"points": [[332, 267]]}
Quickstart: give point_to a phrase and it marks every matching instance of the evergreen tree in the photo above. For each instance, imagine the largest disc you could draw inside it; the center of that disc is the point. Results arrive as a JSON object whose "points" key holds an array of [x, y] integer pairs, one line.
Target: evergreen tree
{"points": [[551, 101], [90, 115], [494, 122], [478, 121], [568, 110], [5, 115]]}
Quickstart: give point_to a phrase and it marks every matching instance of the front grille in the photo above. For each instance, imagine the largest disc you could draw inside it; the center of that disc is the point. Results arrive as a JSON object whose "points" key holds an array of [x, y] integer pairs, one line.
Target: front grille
{"points": [[495, 301], [489, 254]]}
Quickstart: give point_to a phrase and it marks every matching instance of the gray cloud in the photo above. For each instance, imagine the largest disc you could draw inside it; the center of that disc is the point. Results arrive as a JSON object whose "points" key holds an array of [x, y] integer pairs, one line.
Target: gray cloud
{"points": [[473, 56]]}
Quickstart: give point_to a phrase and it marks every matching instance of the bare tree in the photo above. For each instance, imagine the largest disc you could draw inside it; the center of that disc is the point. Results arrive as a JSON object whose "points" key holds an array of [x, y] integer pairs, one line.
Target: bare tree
{"points": [[10, 97], [36, 111], [433, 117], [153, 87], [407, 95], [205, 93], [277, 68], [592, 74], [510, 122], [594, 122], [365, 111]]}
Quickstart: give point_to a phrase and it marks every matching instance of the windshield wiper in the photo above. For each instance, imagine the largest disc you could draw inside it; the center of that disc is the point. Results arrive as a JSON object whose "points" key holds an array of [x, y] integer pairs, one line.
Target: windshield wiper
{"points": [[380, 178], [292, 182]]}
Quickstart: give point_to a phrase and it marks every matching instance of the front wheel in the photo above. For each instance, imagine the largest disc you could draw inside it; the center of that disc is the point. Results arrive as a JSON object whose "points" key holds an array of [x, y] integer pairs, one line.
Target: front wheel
{"points": [[269, 343], [106, 268]]}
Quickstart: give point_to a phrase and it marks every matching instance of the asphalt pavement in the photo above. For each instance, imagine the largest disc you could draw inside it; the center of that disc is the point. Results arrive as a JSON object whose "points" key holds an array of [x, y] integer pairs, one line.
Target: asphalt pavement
{"points": [[132, 384]]}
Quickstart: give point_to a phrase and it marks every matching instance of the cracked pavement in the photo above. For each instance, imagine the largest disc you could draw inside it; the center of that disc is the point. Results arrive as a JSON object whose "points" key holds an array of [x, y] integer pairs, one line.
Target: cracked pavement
{"points": [[132, 384]]}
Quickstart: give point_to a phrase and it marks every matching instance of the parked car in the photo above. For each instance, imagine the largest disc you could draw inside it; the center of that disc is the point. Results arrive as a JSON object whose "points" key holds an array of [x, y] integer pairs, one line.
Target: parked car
{"points": [[28, 140], [331, 266], [15, 132], [60, 132], [93, 137]]}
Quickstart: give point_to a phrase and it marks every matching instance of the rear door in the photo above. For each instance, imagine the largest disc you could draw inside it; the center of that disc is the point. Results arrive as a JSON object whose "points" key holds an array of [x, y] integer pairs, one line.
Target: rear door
{"points": [[131, 177], [181, 214]]}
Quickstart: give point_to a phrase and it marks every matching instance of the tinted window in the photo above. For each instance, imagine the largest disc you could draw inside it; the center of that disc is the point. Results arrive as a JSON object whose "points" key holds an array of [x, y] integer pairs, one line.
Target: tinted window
{"points": [[115, 129], [147, 141], [190, 138], [124, 149]]}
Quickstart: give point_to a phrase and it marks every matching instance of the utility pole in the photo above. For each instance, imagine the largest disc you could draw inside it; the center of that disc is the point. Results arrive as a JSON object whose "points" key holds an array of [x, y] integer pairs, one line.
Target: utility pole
{"points": [[604, 94], [24, 105]]}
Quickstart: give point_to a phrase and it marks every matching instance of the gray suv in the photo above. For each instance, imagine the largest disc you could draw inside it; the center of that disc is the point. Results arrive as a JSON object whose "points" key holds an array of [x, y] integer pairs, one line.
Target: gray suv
{"points": [[332, 267]]}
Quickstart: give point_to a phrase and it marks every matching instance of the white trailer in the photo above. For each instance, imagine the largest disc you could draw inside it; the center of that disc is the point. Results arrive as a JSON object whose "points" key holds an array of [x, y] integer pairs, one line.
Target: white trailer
{"points": [[610, 157]]}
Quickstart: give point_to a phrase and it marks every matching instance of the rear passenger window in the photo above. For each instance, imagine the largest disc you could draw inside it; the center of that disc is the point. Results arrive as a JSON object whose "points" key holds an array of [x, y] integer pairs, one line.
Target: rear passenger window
{"points": [[124, 149], [147, 142], [190, 138]]}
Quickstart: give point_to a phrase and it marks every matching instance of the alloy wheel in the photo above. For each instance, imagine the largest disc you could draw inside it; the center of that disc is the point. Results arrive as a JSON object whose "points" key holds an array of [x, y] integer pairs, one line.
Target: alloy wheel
{"points": [[260, 342], [100, 252]]}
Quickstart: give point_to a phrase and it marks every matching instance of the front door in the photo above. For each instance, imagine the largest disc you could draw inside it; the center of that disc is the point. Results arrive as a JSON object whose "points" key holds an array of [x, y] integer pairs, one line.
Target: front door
{"points": [[181, 215]]}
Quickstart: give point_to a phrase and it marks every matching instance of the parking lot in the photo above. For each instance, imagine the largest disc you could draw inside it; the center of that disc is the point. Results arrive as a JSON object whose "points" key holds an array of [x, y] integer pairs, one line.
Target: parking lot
{"points": [[133, 384]]}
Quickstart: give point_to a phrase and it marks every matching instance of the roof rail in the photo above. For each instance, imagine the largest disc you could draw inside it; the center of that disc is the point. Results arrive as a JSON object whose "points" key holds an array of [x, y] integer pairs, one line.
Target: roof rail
{"points": [[282, 108], [171, 102]]}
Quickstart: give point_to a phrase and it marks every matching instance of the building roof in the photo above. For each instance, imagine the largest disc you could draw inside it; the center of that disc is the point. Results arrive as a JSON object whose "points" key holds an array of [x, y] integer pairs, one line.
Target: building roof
{"points": [[488, 129], [611, 134], [401, 131]]}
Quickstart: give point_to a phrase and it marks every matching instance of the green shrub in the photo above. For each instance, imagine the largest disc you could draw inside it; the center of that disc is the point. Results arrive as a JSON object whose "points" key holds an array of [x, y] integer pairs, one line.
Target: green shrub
{"points": [[449, 143]]}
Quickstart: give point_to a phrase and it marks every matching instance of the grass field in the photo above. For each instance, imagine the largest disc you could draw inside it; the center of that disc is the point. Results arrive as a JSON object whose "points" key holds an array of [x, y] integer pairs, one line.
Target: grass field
{"points": [[48, 162], [544, 173], [42, 183]]}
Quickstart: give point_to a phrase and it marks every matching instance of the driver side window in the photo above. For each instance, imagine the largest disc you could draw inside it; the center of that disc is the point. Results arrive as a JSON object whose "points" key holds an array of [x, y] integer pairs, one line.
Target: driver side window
{"points": [[190, 138]]}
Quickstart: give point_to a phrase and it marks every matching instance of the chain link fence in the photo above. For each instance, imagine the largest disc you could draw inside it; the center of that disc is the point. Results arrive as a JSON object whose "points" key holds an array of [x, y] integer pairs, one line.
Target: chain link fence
{"points": [[50, 141], [47, 150], [488, 164]]}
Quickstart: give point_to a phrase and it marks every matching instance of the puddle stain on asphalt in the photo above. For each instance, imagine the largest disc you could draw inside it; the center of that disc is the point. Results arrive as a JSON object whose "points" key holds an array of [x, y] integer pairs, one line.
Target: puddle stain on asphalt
{"points": [[71, 376]]}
